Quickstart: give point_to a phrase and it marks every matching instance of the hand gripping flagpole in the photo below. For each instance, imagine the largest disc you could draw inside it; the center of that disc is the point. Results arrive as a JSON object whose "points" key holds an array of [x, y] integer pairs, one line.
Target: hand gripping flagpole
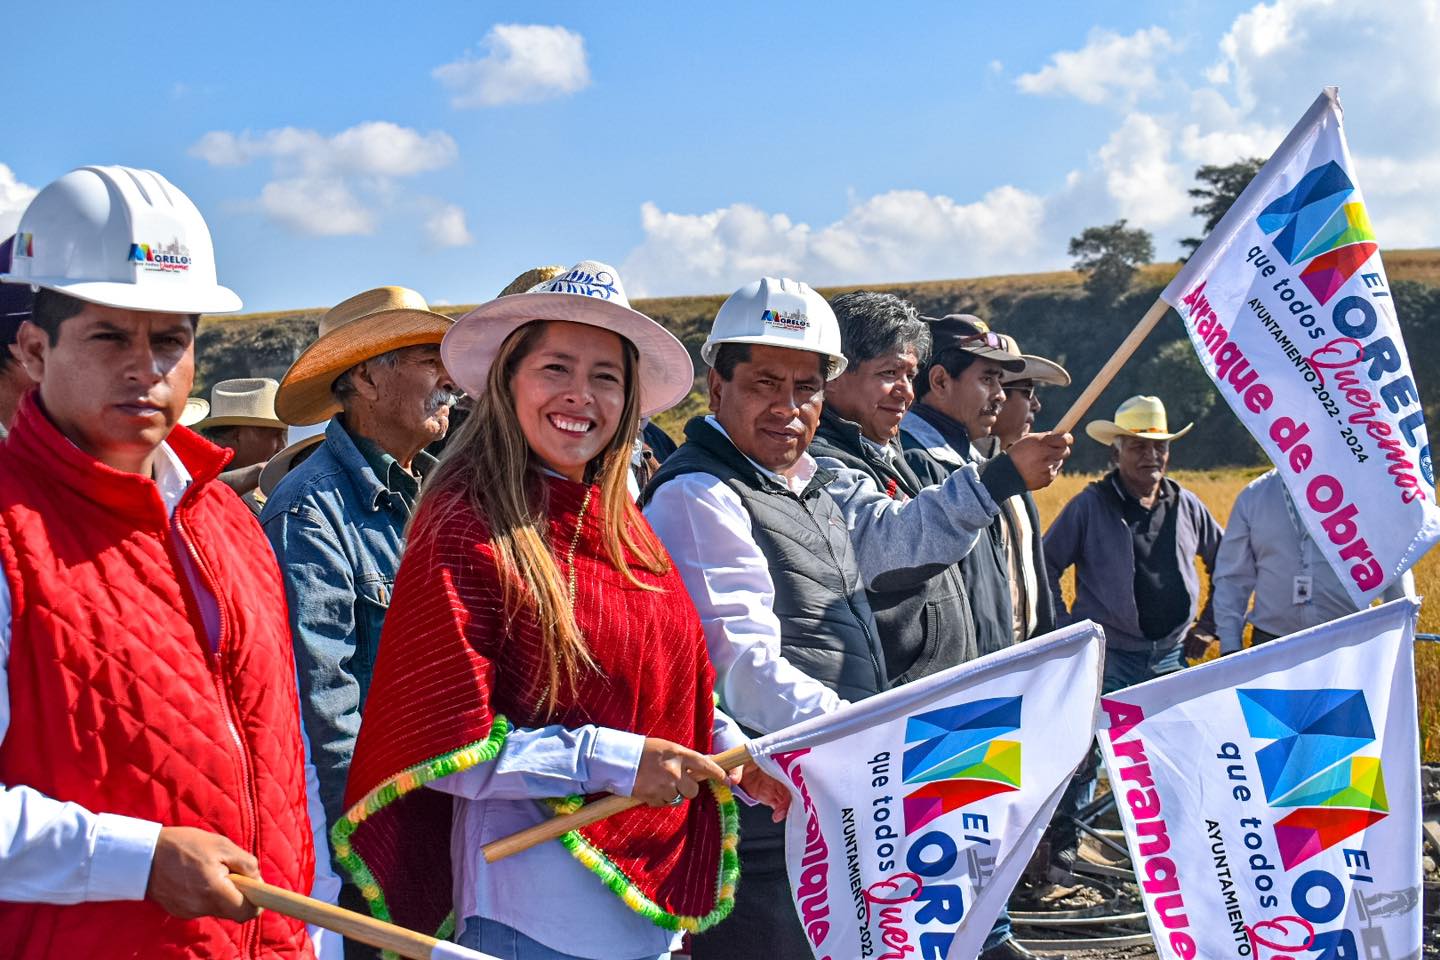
{"points": [[586, 815], [1112, 366], [348, 923]]}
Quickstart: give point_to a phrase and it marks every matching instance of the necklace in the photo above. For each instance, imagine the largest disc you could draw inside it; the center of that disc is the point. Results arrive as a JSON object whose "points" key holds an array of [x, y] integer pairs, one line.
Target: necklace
{"points": [[575, 542], [570, 560]]}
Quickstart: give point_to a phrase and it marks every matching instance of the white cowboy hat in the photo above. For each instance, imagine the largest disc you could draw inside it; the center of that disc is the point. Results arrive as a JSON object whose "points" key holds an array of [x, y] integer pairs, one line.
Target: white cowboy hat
{"points": [[1036, 369], [301, 439], [196, 409], [248, 402], [591, 293], [1142, 417], [365, 326]]}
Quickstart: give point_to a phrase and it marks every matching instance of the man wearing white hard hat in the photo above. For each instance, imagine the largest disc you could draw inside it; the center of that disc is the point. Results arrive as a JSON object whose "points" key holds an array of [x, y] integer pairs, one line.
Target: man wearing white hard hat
{"points": [[151, 729], [242, 419], [337, 521], [1132, 537], [777, 549]]}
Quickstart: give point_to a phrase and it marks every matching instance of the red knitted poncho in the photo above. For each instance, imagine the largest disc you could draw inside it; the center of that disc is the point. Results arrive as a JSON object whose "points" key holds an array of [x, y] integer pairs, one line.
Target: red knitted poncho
{"points": [[453, 676]]}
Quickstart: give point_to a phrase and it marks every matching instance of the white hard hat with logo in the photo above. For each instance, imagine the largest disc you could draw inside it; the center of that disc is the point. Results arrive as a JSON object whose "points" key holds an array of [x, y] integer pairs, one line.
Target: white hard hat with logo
{"points": [[119, 237], [778, 312]]}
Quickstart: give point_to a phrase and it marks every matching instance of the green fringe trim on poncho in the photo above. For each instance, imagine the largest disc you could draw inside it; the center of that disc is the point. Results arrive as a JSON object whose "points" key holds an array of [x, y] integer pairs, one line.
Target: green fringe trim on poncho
{"points": [[483, 751]]}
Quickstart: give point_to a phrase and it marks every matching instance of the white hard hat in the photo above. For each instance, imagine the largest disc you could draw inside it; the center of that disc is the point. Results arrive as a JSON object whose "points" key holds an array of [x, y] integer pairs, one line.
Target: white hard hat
{"points": [[777, 312], [119, 237]]}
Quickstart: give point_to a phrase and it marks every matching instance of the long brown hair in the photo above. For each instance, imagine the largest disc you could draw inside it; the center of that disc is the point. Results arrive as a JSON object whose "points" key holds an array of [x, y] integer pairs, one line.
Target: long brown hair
{"points": [[491, 464]]}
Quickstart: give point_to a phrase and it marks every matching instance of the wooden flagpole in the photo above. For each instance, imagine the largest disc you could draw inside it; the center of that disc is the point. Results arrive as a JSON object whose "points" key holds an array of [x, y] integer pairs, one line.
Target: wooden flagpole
{"points": [[586, 815], [1112, 366], [348, 923]]}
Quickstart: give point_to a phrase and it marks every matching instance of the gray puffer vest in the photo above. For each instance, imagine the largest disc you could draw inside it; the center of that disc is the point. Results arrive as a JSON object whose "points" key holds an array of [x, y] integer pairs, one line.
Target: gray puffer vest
{"points": [[826, 627]]}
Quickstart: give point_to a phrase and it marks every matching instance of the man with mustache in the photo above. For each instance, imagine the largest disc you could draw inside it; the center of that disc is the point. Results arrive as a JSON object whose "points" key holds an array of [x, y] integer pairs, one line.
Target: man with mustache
{"points": [[337, 521], [1033, 608], [1132, 537], [959, 396], [778, 549]]}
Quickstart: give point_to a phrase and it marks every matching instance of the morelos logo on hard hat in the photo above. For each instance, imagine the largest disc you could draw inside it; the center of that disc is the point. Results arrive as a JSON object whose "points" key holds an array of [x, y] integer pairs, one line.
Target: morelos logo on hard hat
{"points": [[170, 257], [786, 319]]}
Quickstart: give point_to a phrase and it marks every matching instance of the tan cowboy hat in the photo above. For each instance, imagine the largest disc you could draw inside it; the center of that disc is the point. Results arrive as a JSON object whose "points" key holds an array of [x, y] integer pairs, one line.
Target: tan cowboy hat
{"points": [[301, 439], [248, 402], [1142, 417], [365, 326], [591, 293], [1036, 369], [196, 409]]}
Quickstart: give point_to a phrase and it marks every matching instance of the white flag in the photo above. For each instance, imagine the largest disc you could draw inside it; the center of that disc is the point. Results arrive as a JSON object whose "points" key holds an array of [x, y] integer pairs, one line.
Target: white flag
{"points": [[1271, 799], [916, 811], [1288, 306]]}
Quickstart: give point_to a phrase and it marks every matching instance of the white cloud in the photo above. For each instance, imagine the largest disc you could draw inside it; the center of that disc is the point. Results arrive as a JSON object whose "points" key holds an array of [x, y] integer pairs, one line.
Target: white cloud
{"points": [[520, 64], [1276, 56], [322, 208], [1272, 59], [1108, 68], [446, 228], [333, 185], [377, 148], [902, 234], [1148, 187], [15, 196]]}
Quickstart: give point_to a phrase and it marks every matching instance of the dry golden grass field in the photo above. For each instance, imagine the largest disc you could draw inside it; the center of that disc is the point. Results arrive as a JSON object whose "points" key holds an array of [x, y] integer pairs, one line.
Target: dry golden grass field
{"points": [[1218, 489]]}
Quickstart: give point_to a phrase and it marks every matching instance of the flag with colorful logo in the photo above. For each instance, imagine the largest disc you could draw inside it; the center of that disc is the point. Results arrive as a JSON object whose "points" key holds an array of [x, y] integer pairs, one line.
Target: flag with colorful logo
{"points": [[916, 811], [1271, 799], [1292, 315]]}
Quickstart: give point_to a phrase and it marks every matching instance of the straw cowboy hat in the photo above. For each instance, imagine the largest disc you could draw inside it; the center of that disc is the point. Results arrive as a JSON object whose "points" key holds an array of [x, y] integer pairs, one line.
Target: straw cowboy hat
{"points": [[248, 402], [365, 326], [301, 439], [1142, 417], [1036, 369], [531, 278], [196, 409], [591, 293]]}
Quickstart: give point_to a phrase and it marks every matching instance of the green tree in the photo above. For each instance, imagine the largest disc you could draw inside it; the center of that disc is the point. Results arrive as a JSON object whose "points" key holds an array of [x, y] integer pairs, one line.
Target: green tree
{"points": [[1219, 189], [1109, 257]]}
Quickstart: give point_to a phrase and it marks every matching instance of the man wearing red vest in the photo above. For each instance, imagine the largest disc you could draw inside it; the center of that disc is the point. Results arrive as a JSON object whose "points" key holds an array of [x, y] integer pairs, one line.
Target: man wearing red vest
{"points": [[150, 742]]}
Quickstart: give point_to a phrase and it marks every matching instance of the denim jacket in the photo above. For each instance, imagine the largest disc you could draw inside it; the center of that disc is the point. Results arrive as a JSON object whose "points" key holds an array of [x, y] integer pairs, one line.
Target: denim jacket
{"points": [[338, 533]]}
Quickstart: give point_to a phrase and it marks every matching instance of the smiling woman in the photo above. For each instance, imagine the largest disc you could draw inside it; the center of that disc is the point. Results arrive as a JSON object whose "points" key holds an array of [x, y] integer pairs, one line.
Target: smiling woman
{"points": [[540, 645]]}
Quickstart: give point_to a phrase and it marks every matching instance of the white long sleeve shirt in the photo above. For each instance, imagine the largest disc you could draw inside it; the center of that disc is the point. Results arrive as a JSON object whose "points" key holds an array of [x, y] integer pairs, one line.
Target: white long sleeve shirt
{"points": [[1267, 554], [707, 531], [57, 852]]}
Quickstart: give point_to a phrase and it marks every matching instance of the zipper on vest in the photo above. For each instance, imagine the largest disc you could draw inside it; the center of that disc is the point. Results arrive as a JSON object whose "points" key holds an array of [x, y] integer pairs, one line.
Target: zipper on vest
{"points": [[249, 801], [880, 684]]}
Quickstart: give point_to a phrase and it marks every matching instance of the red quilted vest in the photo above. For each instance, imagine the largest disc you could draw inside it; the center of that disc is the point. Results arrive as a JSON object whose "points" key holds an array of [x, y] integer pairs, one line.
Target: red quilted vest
{"points": [[118, 704]]}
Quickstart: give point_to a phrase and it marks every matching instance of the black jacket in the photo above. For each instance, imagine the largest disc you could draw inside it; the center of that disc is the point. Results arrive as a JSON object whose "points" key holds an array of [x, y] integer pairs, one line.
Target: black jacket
{"points": [[827, 629], [923, 630], [986, 570]]}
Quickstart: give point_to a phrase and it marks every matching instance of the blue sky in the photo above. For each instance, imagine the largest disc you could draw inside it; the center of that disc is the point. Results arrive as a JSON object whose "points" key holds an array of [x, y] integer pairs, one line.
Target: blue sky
{"points": [[449, 146]]}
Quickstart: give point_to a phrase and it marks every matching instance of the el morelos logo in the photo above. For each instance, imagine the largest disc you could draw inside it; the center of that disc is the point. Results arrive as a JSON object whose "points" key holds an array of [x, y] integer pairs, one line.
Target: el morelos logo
{"points": [[1317, 221], [955, 756], [169, 257], [786, 319], [1310, 768]]}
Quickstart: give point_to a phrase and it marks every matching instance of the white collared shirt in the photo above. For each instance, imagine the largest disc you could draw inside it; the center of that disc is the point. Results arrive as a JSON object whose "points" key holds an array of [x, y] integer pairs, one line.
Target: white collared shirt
{"points": [[57, 852], [707, 531]]}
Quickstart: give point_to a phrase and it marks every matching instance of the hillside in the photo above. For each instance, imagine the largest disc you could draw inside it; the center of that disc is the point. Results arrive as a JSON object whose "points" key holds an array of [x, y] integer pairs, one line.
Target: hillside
{"points": [[1048, 313]]}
